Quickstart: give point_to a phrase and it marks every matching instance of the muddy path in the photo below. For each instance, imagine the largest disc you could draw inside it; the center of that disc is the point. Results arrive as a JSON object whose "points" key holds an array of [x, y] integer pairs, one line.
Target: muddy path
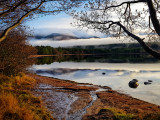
{"points": [[67, 100]]}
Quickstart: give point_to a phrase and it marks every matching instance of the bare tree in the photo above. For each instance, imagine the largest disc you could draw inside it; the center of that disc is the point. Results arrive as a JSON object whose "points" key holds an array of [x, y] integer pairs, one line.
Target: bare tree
{"points": [[130, 18], [14, 12]]}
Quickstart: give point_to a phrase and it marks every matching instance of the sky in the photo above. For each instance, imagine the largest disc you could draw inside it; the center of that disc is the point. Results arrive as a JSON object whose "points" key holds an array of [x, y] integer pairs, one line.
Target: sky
{"points": [[61, 23]]}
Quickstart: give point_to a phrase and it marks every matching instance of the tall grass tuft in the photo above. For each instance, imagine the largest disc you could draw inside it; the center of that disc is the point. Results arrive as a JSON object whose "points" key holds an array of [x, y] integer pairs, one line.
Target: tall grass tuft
{"points": [[17, 102], [11, 110]]}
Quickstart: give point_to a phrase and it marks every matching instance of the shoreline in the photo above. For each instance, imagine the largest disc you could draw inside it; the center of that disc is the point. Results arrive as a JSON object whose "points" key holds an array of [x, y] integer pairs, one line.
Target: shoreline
{"points": [[36, 56], [92, 100]]}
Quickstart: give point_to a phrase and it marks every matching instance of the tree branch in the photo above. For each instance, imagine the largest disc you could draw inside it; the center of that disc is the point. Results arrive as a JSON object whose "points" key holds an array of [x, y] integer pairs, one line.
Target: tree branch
{"points": [[50, 11], [3, 9], [6, 31], [12, 9], [141, 42], [127, 2], [153, 17]]}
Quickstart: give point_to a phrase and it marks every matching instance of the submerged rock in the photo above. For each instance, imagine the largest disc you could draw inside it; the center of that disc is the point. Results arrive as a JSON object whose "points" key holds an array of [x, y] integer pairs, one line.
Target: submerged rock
{"points": [[147, 83], [103, 73], [150, 81]]}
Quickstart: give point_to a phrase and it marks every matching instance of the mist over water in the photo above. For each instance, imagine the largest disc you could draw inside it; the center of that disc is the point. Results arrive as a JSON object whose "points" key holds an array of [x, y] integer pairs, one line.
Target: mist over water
{"points": [[75, 42]]}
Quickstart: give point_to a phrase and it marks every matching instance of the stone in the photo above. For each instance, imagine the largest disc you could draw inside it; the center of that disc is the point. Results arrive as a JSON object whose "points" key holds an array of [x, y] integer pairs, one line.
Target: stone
{"points": [[103, 73], [147, 83], [133, 83], [150, 81]]}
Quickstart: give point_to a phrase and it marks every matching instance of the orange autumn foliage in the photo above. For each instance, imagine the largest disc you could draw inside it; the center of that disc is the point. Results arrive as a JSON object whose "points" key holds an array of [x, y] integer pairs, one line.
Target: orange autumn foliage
{"points": [[14, 53]]}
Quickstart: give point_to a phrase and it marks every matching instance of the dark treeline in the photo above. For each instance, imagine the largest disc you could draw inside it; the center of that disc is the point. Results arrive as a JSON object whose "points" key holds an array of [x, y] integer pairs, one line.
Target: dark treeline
{"points": [[122, 58], [113, 53], [99, 49], [47, 50]]}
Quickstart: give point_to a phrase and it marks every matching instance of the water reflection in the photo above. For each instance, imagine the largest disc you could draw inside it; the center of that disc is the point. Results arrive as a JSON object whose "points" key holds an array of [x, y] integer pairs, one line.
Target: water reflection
{"points": [[124, 58], [115, 75]]}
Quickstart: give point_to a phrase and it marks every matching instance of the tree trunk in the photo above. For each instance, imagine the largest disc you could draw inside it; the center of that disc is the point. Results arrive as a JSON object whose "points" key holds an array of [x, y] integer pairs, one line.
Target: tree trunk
{"points": [[141, 42], [153, 16]]}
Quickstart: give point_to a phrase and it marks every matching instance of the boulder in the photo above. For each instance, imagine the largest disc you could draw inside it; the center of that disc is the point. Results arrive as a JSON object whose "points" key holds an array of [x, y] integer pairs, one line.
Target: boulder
{"points": [[133, 83]]}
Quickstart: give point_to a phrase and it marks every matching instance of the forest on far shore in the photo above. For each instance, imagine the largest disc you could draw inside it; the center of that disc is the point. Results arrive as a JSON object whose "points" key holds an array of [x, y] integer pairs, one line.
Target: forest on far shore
{"points": [[130, 48]]}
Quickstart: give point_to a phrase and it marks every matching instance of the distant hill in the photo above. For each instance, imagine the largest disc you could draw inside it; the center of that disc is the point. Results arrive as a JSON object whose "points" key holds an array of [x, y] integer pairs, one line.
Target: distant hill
{"points": [[58, 36]]}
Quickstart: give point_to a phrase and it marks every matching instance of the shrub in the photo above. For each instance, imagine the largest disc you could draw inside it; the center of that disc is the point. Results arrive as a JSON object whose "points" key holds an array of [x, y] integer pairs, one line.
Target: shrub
{"points": [[14, 53]]}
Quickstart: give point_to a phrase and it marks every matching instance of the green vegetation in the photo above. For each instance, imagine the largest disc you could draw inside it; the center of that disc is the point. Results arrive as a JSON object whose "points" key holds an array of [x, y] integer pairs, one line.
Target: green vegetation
{"points": [[120, 114], [47, 50], [113, 53], [16, 100], [99, 49]]}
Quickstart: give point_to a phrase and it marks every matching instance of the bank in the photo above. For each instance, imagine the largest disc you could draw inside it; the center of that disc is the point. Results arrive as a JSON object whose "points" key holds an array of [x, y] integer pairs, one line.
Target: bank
{"points": [[71, 100]]}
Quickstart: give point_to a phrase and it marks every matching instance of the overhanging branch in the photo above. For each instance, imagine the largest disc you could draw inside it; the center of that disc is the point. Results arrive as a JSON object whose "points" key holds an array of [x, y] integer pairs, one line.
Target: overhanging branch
{"points": [[141, 42], [127, 2], [12, 8], [6, 31]]}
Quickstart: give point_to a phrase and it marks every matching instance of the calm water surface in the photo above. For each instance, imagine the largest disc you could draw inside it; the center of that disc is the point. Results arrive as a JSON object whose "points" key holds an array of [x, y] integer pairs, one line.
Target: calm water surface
{"points": [[114, 75]]}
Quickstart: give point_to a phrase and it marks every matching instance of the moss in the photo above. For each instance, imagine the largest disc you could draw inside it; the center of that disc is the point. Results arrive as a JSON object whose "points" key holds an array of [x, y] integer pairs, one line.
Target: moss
{"points": [[120, 114], [124, 116]]}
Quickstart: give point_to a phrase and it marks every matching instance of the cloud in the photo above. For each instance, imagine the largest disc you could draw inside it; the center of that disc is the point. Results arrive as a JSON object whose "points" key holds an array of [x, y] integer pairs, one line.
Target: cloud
{"points": [[69, 31], [60, 23], [77, 42]]}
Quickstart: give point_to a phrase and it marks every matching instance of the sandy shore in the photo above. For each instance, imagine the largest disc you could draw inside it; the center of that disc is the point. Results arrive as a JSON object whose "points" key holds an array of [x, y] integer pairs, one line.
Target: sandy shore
{"points": [[73, 101]]}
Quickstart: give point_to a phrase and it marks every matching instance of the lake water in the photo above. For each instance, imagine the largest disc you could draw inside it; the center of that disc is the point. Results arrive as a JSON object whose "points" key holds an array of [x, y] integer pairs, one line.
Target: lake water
{"points": [[115, 75]]}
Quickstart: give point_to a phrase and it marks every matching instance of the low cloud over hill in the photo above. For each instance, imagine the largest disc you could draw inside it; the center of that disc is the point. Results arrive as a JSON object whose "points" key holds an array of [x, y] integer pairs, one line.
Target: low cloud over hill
{"points": [[58, 36]]}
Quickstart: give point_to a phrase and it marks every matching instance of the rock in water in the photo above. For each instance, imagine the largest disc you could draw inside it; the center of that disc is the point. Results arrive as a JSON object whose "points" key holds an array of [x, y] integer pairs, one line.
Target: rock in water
{"points": [[147, 83], [103, 73], [133, 83], [150, 81]]}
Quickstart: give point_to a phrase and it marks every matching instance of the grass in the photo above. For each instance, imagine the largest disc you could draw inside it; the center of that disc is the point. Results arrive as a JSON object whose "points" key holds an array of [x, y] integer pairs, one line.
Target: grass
{"points": [[17, 102], [120, 114]]}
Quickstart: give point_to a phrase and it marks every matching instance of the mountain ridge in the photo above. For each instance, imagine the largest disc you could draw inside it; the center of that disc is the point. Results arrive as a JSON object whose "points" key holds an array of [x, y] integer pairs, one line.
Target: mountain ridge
{"points": [[59, 36]]}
